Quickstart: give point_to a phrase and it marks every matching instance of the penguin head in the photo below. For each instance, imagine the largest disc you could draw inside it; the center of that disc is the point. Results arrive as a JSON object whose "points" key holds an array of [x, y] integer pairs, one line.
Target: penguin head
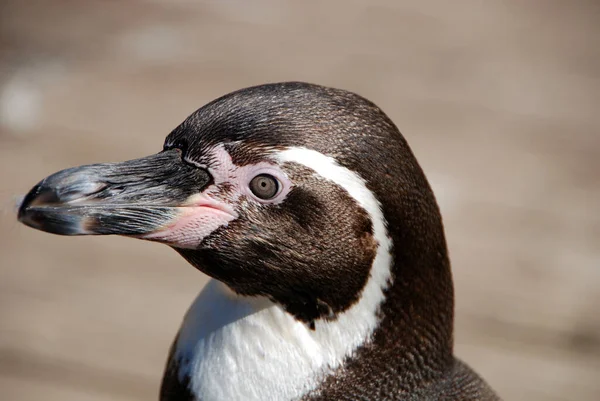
{"points": [[289, 191]]}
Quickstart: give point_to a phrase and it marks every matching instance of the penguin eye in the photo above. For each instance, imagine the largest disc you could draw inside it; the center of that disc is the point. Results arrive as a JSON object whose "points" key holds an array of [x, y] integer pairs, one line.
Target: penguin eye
{"points": [[264, 186]]}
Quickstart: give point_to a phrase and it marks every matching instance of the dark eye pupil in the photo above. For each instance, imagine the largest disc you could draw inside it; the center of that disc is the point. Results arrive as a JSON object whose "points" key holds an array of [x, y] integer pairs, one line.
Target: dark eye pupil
{"points": [[264, 186]]}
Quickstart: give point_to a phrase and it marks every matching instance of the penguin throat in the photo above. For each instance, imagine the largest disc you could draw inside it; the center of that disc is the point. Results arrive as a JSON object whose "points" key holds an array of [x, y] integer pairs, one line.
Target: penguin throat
{"points": [[232, 347]]}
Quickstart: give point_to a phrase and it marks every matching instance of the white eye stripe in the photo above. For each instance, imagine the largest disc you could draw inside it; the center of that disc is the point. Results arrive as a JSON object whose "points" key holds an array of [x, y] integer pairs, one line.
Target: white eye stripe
{"points": [[329, 169], [361, 319]]}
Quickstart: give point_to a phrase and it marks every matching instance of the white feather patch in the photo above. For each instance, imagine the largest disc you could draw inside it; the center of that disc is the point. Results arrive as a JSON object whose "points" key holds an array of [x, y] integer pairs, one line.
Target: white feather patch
{"points": [[240, 348]]}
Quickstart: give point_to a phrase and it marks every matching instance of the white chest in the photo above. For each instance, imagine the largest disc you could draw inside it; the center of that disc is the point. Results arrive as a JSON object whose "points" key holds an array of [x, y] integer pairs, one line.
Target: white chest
{"points": [[249, 349], [237, 348]]}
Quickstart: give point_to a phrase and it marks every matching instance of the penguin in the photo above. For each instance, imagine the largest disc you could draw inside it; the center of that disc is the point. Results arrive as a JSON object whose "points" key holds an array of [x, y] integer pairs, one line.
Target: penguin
{"points": [[330, 275]]}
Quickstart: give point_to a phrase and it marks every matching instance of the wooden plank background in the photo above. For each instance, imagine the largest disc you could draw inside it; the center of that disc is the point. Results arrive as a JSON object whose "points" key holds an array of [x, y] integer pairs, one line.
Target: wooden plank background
{"points": [[500, 101]]}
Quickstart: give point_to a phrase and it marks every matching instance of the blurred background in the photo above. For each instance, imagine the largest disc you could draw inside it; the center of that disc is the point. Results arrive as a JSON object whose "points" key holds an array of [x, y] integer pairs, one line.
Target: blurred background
{"points": [[500, 101]]}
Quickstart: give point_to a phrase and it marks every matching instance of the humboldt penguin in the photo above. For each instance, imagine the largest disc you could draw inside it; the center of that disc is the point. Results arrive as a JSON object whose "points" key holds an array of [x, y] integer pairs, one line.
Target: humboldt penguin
{"points": [[323, 239]]}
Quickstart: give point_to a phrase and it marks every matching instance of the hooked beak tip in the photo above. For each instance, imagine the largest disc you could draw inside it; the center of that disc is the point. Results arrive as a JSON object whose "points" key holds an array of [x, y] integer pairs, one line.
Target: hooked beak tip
{"points": [[37, 196], [39, 209]]}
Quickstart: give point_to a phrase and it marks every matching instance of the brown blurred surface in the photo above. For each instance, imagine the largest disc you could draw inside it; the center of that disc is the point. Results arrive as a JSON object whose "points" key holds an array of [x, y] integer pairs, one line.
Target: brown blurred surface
{"points": [[500, 101]]}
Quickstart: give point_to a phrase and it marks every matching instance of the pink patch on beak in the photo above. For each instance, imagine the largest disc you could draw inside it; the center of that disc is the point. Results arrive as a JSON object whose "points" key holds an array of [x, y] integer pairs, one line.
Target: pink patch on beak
{"points": [[198, 218]]}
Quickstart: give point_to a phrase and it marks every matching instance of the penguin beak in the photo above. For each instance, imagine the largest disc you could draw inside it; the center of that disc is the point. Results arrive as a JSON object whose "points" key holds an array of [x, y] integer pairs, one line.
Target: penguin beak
{"points": [[136, 197]]}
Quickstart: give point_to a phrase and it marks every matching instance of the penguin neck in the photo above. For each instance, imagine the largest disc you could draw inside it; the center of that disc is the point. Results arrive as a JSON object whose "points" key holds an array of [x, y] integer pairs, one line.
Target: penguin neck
{"points": [[249, 348], [416, 330], [418, 313]]}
